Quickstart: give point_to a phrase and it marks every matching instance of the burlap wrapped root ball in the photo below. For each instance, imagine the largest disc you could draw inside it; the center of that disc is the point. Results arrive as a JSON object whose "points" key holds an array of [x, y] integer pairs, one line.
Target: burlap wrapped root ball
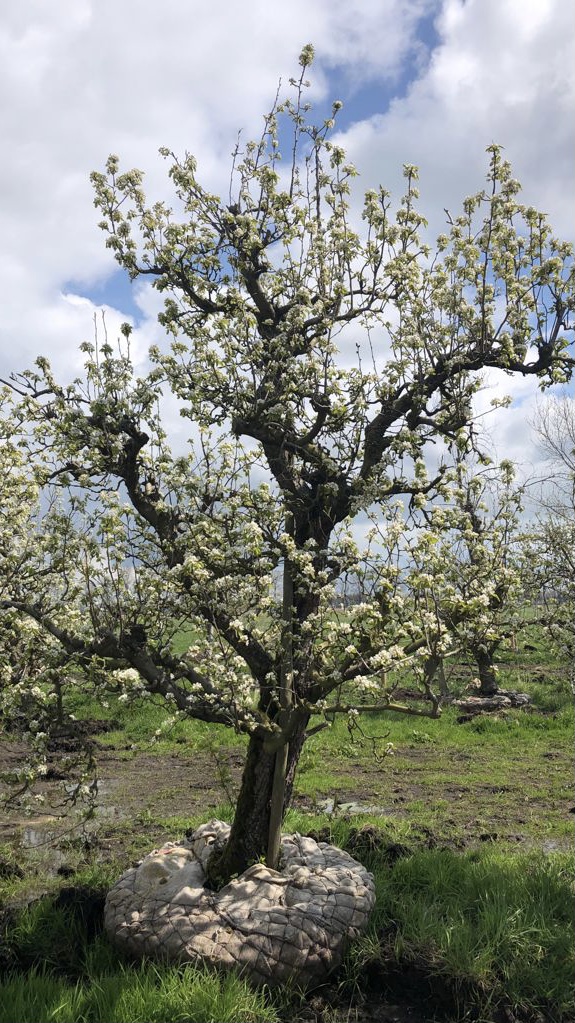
{"points": [[274, 926]]}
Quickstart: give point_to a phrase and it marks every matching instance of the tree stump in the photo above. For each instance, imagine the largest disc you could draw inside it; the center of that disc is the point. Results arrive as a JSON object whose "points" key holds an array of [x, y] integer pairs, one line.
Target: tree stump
{"points": [[503, 699]]}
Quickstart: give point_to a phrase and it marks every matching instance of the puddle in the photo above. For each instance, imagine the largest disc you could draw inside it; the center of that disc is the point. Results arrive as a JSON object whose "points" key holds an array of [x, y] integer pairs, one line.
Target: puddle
{"points": [[36, 837], [52, 838], [44, 841], [103, 788], [32, 836], [551, 845]]}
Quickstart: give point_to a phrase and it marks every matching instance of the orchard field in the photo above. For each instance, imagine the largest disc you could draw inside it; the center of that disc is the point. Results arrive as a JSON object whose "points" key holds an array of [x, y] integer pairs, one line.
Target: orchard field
{"points": [[467, 825]]}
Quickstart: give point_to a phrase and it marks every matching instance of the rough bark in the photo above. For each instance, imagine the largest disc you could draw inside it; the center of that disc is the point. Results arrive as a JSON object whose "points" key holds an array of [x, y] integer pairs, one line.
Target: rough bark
{"points": [[486, 669], [277, 807], [248, 841]]}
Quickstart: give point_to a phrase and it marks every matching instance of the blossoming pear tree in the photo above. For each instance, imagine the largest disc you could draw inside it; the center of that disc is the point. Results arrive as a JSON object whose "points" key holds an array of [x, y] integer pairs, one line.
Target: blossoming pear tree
{"points": [[463, 570], [549, 551], [316, 354]]}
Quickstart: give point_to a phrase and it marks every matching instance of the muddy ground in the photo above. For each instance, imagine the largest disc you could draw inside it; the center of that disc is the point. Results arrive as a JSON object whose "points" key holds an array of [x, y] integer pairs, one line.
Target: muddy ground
{"points": [[139, 791], [148, 788]]}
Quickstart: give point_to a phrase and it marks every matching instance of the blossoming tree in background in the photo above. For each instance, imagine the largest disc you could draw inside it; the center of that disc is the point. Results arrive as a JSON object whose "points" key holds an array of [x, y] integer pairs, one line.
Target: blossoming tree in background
{"points": [[315, 358], [463, 571], [549, 552]]}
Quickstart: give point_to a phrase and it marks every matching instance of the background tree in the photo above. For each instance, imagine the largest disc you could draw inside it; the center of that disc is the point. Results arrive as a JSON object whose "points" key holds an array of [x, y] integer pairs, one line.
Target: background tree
{"points": [[34, 553], [316, 359], [549, 556], [554, 423], [463, 570]]}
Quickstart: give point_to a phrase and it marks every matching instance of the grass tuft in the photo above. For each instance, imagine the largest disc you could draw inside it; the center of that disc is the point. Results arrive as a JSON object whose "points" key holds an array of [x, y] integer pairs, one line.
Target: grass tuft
{"points": [[498, 925], [146, 994]]}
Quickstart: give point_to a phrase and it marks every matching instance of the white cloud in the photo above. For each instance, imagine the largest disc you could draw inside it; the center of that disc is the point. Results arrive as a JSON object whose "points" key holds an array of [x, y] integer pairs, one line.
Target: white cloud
{"points": [[82, 78], [503, 72]]}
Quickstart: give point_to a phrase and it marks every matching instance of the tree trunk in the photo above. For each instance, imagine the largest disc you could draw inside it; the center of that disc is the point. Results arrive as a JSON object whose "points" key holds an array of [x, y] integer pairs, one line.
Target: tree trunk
{"points": [[277, 808], [59, 703], [487, 676], [435, 666], [248, 841]]}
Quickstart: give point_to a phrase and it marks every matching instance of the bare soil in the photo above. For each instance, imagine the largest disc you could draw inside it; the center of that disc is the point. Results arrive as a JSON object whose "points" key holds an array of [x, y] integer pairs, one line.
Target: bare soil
{"points": [[139, 792]]}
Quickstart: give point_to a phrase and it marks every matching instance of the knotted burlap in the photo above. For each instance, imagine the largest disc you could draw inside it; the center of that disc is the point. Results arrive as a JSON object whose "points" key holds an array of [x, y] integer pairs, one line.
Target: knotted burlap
{"points": [[274, 926]]}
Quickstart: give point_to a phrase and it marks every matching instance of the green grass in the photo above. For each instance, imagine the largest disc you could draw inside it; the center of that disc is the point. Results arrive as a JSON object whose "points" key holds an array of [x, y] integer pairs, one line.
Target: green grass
{"points": [[508, 774], [501, 731], [495, 927], [145, 994], [491, 929], [64, 970], [137, 723]]}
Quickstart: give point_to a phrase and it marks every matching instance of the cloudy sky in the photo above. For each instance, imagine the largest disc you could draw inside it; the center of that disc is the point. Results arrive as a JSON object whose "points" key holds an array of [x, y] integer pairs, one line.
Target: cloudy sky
{"points": [[431, 82]]}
